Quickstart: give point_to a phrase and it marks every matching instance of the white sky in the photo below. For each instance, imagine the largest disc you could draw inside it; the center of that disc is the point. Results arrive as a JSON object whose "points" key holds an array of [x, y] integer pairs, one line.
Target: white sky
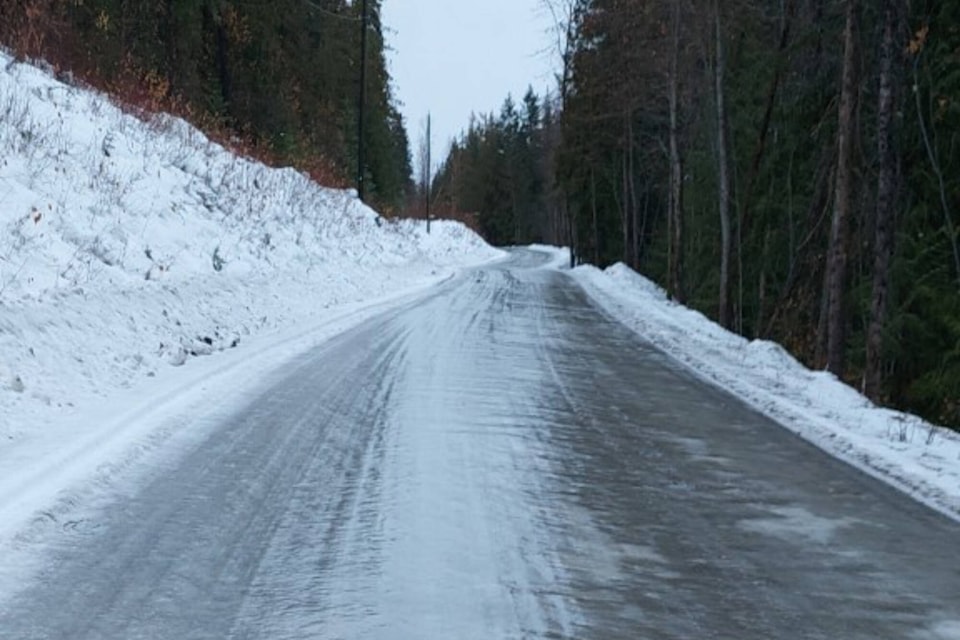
{"points": [[457, 57]]}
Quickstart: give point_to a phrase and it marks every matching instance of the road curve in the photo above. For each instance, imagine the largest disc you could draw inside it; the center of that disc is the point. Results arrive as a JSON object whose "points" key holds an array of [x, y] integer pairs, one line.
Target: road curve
{"points": [[499, 460]]}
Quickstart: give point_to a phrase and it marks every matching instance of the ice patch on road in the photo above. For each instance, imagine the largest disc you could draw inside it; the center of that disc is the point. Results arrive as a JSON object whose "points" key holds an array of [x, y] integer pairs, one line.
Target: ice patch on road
{"points": [[943, 630], [797, 522], [641, 553]]}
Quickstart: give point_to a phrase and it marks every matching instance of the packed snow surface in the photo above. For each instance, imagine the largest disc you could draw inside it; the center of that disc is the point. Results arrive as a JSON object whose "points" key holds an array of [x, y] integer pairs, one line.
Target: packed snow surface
{"points": [[902, 449], [130, 250]]}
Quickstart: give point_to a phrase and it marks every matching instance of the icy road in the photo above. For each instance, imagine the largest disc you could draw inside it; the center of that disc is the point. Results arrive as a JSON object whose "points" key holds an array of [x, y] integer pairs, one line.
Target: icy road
{"points": [[498, 460]]}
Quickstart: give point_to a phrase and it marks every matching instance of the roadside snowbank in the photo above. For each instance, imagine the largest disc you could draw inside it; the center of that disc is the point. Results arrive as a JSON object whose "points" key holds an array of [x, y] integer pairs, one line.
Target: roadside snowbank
{"points": [[559, 257], [917, 457], [129, 250]]}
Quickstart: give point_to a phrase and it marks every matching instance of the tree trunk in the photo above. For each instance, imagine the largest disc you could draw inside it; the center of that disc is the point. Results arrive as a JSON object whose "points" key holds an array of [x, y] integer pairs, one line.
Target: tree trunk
{"points": [[214, 18], [840, 226], [771, 102], [640, 241], [675, 241], [631, 177], [928, 144], [887, 183], [723, 175], [625, 198], [744, 210], [170, 44], [595, 220]]}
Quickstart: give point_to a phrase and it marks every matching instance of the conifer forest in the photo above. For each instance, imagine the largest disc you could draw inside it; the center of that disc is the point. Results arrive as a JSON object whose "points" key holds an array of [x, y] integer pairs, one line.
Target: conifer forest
{"points": [[788, 167], [275, 79]]}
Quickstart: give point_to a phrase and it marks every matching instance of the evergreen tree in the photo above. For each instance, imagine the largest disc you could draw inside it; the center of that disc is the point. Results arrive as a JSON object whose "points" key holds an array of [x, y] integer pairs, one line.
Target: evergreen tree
{"points": [[283, 76], [803, 149]]}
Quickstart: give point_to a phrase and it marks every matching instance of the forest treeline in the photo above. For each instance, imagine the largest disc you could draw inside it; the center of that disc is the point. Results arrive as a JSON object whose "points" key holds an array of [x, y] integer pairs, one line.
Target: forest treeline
{"points": [[789, 167], [276, 79]]}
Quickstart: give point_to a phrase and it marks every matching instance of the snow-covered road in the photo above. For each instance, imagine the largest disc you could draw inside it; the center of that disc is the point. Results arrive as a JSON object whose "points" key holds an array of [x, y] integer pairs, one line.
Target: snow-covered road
{"points": [[496, 459]]}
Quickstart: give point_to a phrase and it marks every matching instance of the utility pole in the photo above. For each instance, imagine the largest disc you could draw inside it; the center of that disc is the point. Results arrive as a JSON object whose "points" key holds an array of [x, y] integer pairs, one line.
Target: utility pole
{"points": [[363, 100], [428, 174]]}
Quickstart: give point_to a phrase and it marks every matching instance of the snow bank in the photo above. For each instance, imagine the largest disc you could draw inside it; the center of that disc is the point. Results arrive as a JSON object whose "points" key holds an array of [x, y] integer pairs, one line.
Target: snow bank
{"points": [[920, 458], [558, 257], [129, 249]]}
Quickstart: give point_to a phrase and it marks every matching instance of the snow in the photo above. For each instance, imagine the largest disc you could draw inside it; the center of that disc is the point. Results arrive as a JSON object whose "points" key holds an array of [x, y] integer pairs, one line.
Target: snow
{"points": [[912, 455], [797, 522], [144, 268], [558, 258], [144, 271]]}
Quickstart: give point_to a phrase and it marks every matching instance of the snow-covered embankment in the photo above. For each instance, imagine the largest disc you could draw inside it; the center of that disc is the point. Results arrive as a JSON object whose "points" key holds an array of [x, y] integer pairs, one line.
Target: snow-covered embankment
{"points": [[130, 249]]}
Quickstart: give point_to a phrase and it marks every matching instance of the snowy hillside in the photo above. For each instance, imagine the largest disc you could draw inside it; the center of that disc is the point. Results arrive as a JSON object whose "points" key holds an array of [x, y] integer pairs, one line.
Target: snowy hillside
{"points": [[128, 249]]}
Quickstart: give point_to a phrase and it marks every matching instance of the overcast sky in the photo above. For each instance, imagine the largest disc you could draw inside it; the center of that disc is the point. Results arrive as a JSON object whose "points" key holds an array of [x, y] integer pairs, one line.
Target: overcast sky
{"points": [[457, 57]]}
